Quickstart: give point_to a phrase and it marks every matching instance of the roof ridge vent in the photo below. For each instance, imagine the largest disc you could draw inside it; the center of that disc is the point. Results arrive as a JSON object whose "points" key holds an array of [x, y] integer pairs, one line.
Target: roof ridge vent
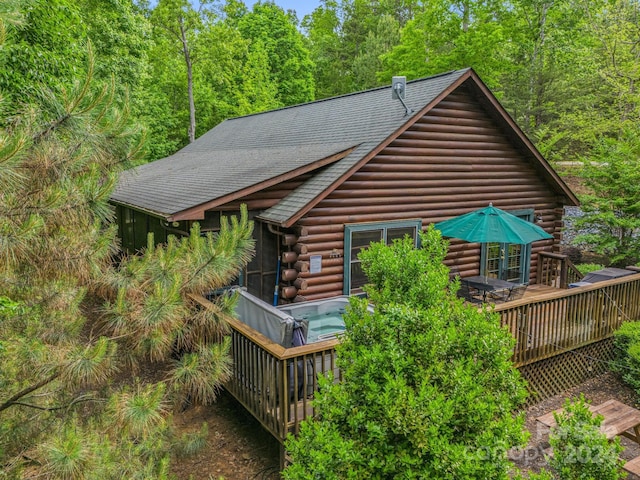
{"points": [[398, 89]]}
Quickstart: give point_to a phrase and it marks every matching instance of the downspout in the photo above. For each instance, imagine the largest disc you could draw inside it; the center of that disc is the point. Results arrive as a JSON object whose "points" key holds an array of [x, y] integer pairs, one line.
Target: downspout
{"points": [[275, 232]]}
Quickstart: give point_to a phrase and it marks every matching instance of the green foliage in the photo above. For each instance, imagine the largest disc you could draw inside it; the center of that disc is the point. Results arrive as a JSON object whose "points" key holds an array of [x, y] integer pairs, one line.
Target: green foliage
{"points": [[269, 28], [64, 412], [379, 41], [542, 475], [193, 442], [131, 441], [419, 279], [140, 412], [580, 450], [47, 47], [627, 365], [585, 268], [258, 92], [428, 389], [151, 307], [347, 39], [441, 38], [7, 305], [325, 48], [612, 210], [60, 159]]}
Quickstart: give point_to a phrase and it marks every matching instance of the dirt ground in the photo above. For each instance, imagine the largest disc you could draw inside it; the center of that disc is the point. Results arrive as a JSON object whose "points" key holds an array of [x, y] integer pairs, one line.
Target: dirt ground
{"points": [[238, 448]]}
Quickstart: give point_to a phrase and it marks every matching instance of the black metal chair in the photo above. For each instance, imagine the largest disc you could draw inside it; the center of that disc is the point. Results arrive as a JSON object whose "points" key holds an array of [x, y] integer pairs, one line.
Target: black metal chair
{"points": [[468, 293], [498, 296], [517, 292]]}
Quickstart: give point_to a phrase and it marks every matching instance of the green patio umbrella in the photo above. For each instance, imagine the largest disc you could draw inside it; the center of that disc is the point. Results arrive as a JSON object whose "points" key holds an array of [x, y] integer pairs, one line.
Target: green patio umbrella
{"points": [[490, 224]]}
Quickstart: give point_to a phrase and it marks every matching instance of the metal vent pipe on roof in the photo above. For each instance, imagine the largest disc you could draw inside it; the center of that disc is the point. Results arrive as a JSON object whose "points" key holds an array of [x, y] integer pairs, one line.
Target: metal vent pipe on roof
{"points": [[398, 89]]}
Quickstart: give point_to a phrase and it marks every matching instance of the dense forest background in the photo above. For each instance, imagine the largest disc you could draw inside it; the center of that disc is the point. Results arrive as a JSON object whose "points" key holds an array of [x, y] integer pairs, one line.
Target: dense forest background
{"points": [[566, 70]]}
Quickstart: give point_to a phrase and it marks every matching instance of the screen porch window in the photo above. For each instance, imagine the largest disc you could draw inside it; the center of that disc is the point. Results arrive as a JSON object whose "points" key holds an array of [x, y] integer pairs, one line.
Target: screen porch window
{"points": [[358, 237], [259, 275]]}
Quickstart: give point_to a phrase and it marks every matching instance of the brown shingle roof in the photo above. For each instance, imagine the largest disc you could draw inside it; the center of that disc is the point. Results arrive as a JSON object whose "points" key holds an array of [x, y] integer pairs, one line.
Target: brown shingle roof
{"points": [[244, 152]]}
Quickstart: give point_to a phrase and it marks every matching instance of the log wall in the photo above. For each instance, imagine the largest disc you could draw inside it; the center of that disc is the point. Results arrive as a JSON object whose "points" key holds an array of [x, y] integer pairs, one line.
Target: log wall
{"points": [[453, 160]]}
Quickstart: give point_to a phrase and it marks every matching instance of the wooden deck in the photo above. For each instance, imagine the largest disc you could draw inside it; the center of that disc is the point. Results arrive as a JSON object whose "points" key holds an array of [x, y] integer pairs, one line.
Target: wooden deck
{"points": [[547, 322], [276, 384], [534, 292]]}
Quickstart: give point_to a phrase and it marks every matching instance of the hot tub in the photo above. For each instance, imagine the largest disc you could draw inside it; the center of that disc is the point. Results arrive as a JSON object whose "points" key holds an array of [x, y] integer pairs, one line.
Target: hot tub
{"points": [[319, 319], [324, 317]]}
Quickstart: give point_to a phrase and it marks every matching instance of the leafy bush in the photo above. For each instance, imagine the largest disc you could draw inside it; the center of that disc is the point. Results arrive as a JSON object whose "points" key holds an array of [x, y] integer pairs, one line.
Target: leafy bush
{"points": [[580, 450], [585, 268], [428, 387], [627, 342], [542, 475]]}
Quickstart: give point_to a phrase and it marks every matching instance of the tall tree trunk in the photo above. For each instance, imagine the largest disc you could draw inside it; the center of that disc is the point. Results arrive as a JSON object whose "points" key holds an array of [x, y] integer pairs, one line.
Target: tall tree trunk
{"points": [[465, 16], [536, 80], [187, 60]]}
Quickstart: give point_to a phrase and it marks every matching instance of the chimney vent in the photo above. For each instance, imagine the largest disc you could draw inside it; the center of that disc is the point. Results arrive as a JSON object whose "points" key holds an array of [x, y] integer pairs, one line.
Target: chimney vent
{"points": [[398, 89], [399, 85]]}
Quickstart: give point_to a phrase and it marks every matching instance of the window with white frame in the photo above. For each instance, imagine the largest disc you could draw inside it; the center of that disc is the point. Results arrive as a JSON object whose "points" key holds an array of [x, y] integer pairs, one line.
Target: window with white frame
{"points": [[359, 236]]}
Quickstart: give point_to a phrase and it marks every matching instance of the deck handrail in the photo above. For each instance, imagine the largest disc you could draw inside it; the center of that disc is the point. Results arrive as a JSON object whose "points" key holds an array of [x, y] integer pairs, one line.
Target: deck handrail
{"points": [[556, 270], [276, 384], [564, 320]]}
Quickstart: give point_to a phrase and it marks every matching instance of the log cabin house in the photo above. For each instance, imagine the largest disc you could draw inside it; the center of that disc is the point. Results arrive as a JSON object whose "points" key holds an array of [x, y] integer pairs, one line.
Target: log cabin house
{"points": [[323, 179]]}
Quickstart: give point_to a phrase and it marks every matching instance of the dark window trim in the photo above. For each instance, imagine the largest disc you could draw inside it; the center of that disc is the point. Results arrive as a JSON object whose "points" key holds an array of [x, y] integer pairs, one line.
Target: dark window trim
{"points": [[360, 227]]}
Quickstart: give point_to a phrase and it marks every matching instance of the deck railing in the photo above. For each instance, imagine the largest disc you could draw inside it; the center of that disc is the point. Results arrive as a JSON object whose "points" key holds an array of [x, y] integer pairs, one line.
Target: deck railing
{"points": [[556, 270], [276, 384], [564, 320]]}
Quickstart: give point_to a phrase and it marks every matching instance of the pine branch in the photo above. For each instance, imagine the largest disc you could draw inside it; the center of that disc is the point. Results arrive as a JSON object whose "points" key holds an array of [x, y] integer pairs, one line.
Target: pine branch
{"points": [[14, 399], [61, 407]]}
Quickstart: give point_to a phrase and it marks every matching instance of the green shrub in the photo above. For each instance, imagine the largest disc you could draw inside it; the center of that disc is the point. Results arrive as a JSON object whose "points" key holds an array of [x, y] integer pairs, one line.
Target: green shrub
{"points": [[192, 442], [580, 450], [627, 364], [428, 388], [542, 475], [585, 268]]}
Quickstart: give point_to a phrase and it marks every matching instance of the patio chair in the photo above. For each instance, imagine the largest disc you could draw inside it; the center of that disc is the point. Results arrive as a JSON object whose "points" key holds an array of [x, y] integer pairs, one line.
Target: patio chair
{"points": [[517, 292], [499, 295], [468, 293]]}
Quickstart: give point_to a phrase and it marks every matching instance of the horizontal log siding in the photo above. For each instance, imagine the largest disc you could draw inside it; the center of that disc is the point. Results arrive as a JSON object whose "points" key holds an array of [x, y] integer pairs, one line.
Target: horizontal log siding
{"points": [[453, 160]]}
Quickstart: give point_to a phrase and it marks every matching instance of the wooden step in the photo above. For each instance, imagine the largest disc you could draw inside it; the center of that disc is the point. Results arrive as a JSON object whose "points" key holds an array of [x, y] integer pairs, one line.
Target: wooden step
{"points": [[633, 466]]}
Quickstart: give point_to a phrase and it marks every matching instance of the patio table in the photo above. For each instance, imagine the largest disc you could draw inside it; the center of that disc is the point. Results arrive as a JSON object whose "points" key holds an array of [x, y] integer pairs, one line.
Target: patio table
{"points": [[618, 419], [487, 284]]}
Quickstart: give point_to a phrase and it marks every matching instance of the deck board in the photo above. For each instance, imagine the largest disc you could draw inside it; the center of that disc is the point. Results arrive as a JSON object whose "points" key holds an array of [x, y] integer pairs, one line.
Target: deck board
{"points": [[534, 291]]}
